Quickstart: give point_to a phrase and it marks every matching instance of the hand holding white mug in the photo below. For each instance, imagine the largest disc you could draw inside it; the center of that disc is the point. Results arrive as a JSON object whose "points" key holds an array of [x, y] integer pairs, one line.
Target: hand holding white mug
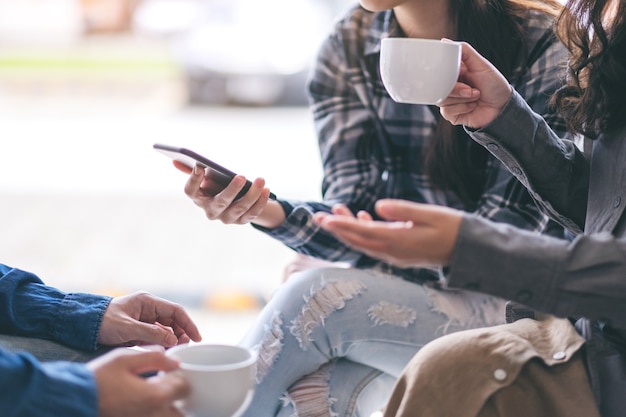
{"points": [[479, 96], [222, 379]]}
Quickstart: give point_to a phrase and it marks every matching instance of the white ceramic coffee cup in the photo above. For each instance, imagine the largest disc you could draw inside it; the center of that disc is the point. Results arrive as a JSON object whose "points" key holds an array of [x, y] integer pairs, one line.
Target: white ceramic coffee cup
{"points": [[419, 71], [222, 379]]}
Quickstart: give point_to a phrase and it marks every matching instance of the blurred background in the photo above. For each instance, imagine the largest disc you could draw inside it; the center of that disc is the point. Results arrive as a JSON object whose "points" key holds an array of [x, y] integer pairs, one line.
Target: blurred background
{"points": [[86, 88]]}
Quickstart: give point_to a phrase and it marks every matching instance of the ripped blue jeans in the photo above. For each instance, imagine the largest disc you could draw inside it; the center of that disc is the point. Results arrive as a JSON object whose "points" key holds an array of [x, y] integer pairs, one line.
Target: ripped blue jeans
{"points": [[332, 341]]}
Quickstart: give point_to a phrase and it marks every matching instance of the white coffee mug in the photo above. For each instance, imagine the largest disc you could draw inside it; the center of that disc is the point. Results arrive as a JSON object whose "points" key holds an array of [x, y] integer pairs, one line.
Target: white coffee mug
{"points": [[222, 379], [419, 71]]}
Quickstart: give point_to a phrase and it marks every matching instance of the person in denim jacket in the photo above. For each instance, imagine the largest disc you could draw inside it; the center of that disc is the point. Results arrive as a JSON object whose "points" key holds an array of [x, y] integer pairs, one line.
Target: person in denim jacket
{"points": [[47, 334]]}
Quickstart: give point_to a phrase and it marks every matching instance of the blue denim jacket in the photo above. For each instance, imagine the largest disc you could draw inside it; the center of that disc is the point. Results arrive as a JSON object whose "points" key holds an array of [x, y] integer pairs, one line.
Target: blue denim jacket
{"points": [[30, 308]]}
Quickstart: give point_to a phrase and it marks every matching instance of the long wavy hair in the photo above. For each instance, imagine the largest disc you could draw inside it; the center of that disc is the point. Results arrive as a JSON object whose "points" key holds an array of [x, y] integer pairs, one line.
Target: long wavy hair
{"points": [[593, 98], [495, 28]]}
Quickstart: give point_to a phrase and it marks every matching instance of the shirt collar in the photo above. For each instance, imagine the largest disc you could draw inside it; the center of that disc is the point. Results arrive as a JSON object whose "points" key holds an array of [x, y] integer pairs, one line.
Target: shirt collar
{"points": [[384, 25]]}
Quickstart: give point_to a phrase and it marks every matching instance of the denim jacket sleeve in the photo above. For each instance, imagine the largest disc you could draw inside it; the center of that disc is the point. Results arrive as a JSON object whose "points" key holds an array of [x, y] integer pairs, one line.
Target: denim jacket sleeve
{"points": [[28, 307], [30, 388]]}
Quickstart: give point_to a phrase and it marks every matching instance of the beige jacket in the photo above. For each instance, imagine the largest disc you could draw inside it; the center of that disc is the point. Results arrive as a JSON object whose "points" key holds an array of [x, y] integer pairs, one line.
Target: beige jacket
{"points": [[529, 368]]}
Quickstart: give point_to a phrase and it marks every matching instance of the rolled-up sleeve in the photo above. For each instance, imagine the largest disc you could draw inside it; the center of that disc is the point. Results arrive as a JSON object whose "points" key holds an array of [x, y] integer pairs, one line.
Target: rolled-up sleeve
{"points": [[28, 307]]}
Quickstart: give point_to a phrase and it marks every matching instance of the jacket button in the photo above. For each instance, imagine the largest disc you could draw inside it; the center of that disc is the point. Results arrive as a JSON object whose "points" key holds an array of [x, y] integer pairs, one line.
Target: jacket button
{"points": [[499, 374], [559, 356]]}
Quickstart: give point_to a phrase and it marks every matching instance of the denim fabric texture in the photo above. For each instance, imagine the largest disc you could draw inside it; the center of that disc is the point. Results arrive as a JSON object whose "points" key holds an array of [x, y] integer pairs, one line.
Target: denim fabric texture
{"points": [[332, 341], [35, 317]]}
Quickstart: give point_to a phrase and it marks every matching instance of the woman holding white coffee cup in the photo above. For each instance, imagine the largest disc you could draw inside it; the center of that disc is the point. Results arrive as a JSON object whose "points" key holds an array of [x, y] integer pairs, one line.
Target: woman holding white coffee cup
{"points": [[334, 340]]}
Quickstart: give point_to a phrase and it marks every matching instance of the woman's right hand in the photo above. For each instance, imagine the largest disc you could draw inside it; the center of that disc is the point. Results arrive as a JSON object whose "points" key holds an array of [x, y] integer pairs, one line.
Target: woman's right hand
{"points": [[479, 96], [253, 206]]}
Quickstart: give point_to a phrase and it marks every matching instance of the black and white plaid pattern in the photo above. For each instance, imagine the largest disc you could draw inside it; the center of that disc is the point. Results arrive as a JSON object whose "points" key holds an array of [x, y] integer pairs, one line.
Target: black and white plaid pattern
{"points": [[350, 103]]}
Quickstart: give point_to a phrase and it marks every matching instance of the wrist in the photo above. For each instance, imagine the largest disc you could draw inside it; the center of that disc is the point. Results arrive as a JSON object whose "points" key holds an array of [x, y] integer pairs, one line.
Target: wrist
{"points": [[272, 216]]}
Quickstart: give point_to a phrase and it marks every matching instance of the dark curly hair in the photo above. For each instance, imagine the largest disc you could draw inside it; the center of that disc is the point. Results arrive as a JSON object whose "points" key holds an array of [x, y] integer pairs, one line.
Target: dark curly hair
{"points": [[592, 98]]}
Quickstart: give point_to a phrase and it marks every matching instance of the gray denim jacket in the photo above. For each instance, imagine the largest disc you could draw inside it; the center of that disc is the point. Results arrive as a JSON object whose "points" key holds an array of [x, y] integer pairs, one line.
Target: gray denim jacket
{"points": [[584, 279]]}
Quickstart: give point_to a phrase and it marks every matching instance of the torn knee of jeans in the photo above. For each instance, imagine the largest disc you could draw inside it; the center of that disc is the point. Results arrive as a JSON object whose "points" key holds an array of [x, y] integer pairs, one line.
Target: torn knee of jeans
{"points": [[320, 304], [388, 313], [270, 346], [310, 396], [467, 310]]}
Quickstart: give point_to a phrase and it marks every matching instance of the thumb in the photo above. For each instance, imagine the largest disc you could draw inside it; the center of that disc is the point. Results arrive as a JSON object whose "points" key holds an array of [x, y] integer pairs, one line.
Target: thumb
{"points": [[472, 59], [400, 210], [150, 361], [139, 362]]}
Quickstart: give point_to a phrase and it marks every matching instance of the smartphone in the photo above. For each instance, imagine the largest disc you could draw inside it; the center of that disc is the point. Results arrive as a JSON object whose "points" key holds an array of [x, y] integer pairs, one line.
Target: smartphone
{"points": [[218, 175]]}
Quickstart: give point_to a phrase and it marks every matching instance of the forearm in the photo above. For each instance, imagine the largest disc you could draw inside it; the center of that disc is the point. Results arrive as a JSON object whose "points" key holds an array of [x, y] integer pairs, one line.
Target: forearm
{"points": [[299, 232], [28, 307], [548, 274], [272, 216], [553, 170], [30, 388]]}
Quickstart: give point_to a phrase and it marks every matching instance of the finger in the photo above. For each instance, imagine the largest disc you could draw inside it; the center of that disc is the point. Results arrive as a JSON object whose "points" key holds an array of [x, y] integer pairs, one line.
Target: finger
{"points": [[250, 198], [172, 386], [341, 210], [222, 205], [154, 333], [141, 362], [192, 186], [401, 210], [456, 113], [172, 314], [367, 230], [461, 93], [408, 211], [472, 60], [256, 209], [364, 215], [182, 167], [181, 336], [238, 212], [318, 217], [229, 192]]}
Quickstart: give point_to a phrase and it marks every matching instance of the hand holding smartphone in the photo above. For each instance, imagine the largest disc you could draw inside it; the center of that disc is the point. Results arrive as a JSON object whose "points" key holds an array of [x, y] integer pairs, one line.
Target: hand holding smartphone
{"points": [[219, 175]]}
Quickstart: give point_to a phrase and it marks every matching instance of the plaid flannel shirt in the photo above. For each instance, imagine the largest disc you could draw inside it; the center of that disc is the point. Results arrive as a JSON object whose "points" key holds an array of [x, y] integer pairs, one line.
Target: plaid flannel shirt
{"points": [[349, 103]]}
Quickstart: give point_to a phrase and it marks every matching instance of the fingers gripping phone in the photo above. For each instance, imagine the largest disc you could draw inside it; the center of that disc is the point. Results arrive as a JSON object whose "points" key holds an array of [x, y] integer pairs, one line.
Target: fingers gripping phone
{"points": [[217, 174]]}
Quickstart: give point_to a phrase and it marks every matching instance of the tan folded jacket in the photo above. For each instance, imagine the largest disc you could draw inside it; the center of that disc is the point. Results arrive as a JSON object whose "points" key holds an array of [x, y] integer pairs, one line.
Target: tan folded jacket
{"points": [[524, 369]]}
